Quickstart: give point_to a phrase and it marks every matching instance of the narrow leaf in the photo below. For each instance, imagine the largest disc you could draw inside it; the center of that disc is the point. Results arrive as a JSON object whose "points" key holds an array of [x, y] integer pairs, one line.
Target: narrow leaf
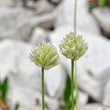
{"points": [[5, 88], [16, 106], [0, 85], [67, 90]]}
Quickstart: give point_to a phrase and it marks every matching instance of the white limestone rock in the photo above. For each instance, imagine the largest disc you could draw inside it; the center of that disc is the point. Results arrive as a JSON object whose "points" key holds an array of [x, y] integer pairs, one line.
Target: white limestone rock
{"points": [[51, 102], [14, 59], [15, 23], [31, 107], [15, 63], [22, 95], [55, 81], [38, 36], [94, 107], [45, 21], [85, 21], [4, 3], [106, 98], [24, 76], [43, 6], [29, 99], [102, 15], [82, 98], [24, 22]]}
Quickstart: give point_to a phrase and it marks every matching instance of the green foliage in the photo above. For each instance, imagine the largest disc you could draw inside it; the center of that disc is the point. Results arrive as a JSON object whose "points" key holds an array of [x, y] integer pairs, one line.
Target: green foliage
{"points": [[67, 94], [17, 106], [67, 90], [67, 103], [4, 88], [92, 7], [3, 95], [101, 2], [0, 85]]}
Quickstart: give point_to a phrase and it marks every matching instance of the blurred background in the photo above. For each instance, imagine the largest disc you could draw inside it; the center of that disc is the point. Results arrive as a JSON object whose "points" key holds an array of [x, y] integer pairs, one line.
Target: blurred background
{"points": [[24, 24]]}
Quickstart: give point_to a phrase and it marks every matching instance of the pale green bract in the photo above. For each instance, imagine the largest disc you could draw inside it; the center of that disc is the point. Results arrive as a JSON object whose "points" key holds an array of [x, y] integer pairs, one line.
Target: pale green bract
{"points": [[45, 55], [73, 47]]}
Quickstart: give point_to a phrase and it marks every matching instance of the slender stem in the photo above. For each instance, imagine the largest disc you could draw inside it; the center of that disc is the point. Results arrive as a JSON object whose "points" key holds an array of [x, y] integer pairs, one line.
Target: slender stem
{"points": [[72, 83], [43, 103], [76, 86], [75, 32], [75, 16]]}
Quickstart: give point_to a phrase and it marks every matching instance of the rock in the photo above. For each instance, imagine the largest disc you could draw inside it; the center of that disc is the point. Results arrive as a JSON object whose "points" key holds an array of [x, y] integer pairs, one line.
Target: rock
{"points": [[82, 98], [28, 99], [93, 68], [45, 21], [6, 3], [100, 69], [24, 23], [89, 85], [102, 15], [31, 107], [16, 61], [94, 107], [38, 36], [20, 28], [40, 6], [55, 2], [65, 16], [52, 103], [24, 76], [106, 99], [43, 6], [55, 81], [22, 95]]}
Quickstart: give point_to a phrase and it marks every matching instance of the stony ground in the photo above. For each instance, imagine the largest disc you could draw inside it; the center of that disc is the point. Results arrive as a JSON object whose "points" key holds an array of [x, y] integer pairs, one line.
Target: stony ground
{"points": [[21, 29]]}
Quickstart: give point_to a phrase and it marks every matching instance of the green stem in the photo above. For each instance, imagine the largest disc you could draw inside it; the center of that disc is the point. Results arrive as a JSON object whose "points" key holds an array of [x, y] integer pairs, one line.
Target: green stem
{"points": [[75, 16], [43, 103], [72, 83], [76, 86], [75, 32]]}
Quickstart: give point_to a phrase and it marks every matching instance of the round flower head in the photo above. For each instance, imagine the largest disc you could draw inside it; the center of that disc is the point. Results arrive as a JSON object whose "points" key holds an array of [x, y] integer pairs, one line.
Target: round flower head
{"points": [[73, 47], [44, 55]]}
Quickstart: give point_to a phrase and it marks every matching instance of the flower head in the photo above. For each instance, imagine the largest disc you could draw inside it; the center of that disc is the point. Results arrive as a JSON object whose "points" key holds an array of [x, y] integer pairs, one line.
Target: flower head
{"points": [[44, 55], [73, 47]]}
